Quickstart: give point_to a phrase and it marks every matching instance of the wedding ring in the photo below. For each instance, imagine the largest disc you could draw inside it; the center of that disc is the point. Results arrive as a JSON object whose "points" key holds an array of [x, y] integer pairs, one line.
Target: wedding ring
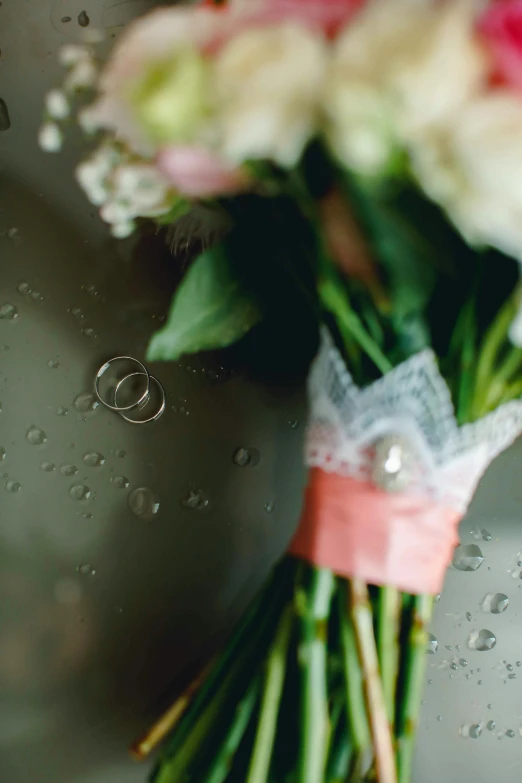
{"points": [[119, 408], [144, 403]]}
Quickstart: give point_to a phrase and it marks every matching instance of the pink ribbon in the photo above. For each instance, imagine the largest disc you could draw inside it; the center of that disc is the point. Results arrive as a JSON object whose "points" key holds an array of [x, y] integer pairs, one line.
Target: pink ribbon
{"points": [[358, 530]]}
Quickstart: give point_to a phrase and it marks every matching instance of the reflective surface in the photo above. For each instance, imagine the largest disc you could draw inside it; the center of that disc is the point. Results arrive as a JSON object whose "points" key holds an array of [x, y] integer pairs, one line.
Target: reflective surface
{"points": [[98, 613]]}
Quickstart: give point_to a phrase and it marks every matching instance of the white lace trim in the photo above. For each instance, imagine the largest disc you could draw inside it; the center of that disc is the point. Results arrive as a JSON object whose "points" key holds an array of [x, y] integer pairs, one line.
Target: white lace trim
{"points": [[411, 401]]}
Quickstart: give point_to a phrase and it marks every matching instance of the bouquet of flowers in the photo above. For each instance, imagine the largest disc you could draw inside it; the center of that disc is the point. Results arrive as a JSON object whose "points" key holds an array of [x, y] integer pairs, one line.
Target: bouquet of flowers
{"points": [[363, 160]]}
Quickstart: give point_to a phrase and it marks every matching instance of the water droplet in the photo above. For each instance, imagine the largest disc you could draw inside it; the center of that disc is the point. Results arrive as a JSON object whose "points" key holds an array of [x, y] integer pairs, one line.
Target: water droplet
{"points": [[453, 666], [294, 423], [437, 598], [53, 364], [475, 731], [468, 616], [479, 682], [496, 603], [13, 233], [61, 410], [120, 453], [8, 312], [269, 507], [432, 645], [467, 557], [68, 470], [449, 647], [195, 498], [80, 492], [118, 610], [94, 459], [482, 640], [486, 536], [86, 569], [120, 482], [518, 663], [439, 718], [35, 436], [489, 706], [144, 503], [24, 289], [510, 733], [87, 515], [463, 662], [36, 296], [244, 457], [89, 332], [83, 19], [77, 313], [3, 453], [490, 725], [47, 467], [86, 402], [512, 676], [13, 486], [509, 667]]}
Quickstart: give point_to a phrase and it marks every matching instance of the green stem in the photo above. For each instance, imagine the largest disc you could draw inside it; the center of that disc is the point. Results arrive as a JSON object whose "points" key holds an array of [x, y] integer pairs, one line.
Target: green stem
{"points": [[243, 650], [512, 392], [175, 767], [362, 618], [467, 361], [499, 385], [222, 764], [388, 628], [341, 752], [488, 355], [349, 322], [413, 686], [355, 704], [313, 655], [273, 688]]}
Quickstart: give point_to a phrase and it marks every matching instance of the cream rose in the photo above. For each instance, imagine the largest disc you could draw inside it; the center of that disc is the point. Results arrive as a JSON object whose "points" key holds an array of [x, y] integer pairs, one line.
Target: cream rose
{"points": [[399, 68], [266, 86], [470, 166], [132, 88]]}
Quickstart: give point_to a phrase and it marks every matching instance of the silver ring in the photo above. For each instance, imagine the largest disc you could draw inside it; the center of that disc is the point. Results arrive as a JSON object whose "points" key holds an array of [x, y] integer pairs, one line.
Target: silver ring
{"points": [[160, 409], [144, 397]]}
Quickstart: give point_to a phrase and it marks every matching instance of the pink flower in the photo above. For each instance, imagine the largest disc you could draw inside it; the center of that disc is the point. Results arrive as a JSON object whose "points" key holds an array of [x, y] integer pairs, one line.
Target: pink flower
{"points": [[328, 15], [501, 29], [198, 173]]}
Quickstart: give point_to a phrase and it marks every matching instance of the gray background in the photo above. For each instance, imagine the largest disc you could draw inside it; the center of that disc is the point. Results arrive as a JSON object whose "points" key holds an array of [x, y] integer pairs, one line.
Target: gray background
{"points": [[85, 661]]}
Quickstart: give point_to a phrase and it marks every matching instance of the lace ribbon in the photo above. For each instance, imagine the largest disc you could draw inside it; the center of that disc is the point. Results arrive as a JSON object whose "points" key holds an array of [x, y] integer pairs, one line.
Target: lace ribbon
{"points": [[361, 530]]}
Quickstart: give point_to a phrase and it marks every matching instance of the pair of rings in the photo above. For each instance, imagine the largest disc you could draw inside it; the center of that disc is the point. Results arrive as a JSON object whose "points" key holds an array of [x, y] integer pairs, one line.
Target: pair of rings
{"points": [[144, 397]]}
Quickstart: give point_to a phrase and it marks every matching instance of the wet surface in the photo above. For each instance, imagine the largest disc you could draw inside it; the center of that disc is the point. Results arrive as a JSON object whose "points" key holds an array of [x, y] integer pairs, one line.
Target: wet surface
{"points": [[104, 594]]}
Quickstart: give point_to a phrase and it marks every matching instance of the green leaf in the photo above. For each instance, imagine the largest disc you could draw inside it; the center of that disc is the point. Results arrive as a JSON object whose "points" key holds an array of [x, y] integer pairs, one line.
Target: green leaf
{"points": [[211, 309]]}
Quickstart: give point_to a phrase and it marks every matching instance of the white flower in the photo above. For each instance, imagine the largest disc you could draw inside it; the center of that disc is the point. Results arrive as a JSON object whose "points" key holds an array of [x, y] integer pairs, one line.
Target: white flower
{"points": [[50, 137], [156, 40], [123, 230], [267, 82], [82, 76], [57, 104], [93, 174], [470, 167], [72, 54], [399, 67], [123, 189]]}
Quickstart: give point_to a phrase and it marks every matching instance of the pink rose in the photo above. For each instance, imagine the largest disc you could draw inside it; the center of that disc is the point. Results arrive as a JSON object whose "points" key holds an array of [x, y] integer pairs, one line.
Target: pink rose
{"points": [[198, 173], [501, 29], [328, 15]]}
